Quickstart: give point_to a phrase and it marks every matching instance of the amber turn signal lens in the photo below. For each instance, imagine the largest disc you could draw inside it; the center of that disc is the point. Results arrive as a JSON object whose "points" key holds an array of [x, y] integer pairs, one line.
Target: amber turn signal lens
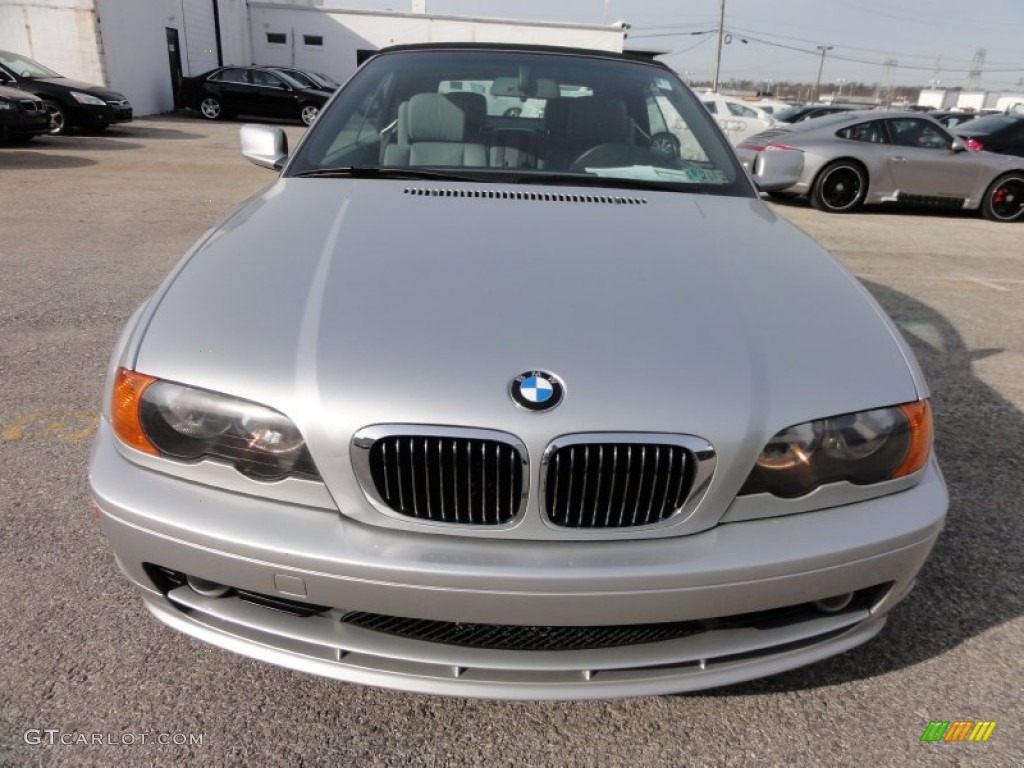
{"points": [[919, 416], [124, 409]]}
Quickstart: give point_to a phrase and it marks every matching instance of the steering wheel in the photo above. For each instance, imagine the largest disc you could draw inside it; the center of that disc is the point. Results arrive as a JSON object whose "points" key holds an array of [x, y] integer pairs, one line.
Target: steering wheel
{"points": [[665, 146]]}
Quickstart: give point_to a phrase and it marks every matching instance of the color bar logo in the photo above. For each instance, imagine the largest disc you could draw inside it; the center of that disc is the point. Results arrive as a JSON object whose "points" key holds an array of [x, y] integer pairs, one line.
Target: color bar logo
{"points": [[958, 730]]}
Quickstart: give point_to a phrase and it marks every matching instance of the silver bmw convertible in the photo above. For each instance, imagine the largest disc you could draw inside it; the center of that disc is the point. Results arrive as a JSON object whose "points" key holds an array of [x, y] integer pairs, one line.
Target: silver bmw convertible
{"points": [[542, 404]]}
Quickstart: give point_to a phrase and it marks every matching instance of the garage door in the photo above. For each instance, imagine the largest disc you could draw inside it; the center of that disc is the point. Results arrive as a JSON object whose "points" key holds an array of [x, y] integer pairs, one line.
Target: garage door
{"points": [[200, 28]]}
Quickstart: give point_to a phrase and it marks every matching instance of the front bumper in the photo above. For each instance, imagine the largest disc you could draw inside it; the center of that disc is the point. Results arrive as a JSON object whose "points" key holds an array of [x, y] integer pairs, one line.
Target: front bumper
{"points": [[23, 124], [319, 557], [95, 116]]}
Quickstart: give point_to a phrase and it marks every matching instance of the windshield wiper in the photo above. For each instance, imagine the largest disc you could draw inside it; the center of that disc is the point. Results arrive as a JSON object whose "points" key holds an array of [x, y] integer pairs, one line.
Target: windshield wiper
{"points": [[376, 172], [491, 177]]}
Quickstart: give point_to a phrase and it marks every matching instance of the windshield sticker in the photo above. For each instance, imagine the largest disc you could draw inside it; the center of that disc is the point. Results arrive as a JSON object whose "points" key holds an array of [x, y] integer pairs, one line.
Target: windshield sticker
{"points": [[663, 83], [652, 173]]}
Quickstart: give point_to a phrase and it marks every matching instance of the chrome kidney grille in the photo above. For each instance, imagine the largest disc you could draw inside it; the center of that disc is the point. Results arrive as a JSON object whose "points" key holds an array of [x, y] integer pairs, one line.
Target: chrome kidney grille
{"points": [[615, 486], [469, 477], [620, 481], [475, 477]]}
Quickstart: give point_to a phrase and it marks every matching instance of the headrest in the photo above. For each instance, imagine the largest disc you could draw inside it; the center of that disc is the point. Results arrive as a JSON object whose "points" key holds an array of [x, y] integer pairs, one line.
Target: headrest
{"points": [[432, 117], [556, 116], [473, 106], [544, 88], [597, 120]]}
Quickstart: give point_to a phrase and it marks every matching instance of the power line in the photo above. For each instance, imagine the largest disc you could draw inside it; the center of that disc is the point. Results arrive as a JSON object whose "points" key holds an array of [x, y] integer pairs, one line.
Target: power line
{"points": [[854, 60], [755, 35]]}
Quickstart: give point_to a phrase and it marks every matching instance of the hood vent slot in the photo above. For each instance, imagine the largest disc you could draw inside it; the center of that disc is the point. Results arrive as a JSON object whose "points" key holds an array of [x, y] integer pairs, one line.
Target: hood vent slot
{"points": [[540, 197]]}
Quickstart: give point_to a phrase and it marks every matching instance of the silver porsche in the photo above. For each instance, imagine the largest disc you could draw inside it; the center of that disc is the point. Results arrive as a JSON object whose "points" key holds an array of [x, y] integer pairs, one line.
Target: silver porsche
{"points": [[840, 162], [542, 405]]}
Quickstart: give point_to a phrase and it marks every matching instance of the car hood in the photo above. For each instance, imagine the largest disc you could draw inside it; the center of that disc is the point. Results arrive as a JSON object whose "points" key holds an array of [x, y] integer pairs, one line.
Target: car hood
{"points": [[77, 85], [319, 93], [14, 93], [346, 303]]}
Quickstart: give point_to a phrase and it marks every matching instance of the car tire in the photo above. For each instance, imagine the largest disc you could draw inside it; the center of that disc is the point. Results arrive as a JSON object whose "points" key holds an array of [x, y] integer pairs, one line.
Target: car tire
{"points": [[211, 108], [840, 187], [1004, 199], [308, 114], [58, 120]]}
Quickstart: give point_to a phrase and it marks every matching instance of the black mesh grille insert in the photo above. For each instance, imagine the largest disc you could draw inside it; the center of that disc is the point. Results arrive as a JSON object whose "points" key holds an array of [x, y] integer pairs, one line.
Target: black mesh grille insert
{"points": [[532, 638], [471, 481], [516, 638], [616, 485]]}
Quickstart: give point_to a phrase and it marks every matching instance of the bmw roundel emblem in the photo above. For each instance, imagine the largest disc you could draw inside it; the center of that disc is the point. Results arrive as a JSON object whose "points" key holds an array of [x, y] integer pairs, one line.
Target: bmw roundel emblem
{"points": [[536, 390]]}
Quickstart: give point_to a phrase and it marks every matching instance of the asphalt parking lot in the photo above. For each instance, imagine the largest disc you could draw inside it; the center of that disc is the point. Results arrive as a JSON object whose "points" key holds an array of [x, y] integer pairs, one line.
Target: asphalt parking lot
{"points": [[89, 225]]}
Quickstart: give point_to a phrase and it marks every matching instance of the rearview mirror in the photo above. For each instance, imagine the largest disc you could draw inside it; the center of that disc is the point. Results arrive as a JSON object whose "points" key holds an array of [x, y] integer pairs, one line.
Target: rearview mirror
{"points": [[264, 145]]}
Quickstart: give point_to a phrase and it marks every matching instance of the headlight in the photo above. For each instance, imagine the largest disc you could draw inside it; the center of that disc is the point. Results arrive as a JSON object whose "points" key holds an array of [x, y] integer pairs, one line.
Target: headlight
{"points": [[859, 448], [5, 104], [186, 423], [85, 98]]}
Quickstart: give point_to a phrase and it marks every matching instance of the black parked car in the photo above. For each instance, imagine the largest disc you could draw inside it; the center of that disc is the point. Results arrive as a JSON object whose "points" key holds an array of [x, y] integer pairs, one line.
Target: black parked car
{"points": [[995, 133], [22, 115], [801, 112], [71, 103], [260, 91]]}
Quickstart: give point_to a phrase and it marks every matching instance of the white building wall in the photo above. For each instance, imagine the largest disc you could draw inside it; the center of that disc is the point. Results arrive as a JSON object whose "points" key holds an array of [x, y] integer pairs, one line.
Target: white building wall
{"points": [[135, 50], [973, 100], [345, 32], [59, 34], [200, 38], [1011, 102], [937, 98], [235, 32]]}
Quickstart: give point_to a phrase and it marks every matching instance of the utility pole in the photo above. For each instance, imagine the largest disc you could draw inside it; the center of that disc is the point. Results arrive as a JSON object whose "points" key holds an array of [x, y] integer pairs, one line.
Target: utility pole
{"points": [[721, 33], [821, 67]]}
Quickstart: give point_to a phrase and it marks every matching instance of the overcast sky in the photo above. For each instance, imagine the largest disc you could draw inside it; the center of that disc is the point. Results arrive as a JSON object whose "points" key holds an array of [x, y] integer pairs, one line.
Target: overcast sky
{"points": [[782, 35]]}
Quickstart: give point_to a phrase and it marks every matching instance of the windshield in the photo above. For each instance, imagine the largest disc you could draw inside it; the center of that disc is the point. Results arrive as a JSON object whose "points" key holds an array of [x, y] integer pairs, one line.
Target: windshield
{"points": [[298, 77], [23, 67], [788, 112], [522, 116]]}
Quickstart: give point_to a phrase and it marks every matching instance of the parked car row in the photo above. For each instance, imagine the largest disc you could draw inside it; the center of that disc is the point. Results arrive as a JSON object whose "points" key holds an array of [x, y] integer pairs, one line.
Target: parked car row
{"points": [[275, 92], [35, 100], [68, 103]]}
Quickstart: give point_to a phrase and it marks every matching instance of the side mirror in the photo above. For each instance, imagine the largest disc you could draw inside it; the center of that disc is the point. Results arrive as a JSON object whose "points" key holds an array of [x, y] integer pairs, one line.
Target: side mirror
{"points": [[264, 145], [957, 146]]}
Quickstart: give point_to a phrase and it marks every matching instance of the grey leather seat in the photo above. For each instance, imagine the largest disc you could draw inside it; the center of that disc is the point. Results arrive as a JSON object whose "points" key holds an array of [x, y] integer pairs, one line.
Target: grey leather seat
{"points": [[435, 133]]}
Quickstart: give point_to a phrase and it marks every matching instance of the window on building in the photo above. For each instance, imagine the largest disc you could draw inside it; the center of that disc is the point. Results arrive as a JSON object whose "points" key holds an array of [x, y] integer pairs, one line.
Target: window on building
{"points": [[315, 40], [277, 38]]}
